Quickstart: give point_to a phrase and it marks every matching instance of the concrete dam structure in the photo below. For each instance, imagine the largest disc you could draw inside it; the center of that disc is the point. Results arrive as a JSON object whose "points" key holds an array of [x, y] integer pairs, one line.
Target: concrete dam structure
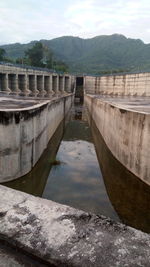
{"points": [[33, 102], [120, 107]]}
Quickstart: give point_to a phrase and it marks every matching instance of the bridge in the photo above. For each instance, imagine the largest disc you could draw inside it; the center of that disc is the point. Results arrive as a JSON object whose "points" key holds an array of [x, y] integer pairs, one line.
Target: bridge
{"points": [[33, 102]]}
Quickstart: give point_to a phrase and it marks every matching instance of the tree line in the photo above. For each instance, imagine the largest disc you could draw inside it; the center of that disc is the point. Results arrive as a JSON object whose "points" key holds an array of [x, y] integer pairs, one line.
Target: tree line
{"points": [[38, 56]]}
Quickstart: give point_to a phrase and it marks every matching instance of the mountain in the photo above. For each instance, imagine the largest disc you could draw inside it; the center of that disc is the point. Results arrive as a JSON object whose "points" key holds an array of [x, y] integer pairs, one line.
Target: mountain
{"points": [[101, 53]]}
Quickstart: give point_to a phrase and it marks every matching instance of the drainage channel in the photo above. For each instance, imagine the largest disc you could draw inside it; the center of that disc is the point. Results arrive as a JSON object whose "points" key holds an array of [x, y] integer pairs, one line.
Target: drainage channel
{"points": [[70, 172], [76, 179]]}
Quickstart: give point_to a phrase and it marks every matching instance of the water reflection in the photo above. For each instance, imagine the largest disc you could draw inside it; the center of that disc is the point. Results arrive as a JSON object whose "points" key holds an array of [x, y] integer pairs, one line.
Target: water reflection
{"points": [[77, 181], [129, 195]]}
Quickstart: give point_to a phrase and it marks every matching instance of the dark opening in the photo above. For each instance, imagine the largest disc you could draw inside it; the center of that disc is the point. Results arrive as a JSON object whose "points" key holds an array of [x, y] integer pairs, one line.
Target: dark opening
{"points": [[79, 90], [79, 81]]}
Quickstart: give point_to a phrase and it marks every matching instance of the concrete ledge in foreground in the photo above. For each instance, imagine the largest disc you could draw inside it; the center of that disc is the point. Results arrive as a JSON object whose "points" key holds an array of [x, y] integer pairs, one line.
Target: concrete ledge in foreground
{"points": [[64, 236]]}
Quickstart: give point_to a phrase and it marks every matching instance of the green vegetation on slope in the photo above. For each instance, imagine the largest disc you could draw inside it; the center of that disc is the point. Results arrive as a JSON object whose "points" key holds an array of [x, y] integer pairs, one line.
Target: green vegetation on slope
{"points": [[96, 55], [39, 55], [2, 54]]}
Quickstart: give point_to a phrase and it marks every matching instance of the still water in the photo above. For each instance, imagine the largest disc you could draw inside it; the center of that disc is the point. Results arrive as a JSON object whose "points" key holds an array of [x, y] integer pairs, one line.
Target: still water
{"points": [[69, 173], [77, 180]]}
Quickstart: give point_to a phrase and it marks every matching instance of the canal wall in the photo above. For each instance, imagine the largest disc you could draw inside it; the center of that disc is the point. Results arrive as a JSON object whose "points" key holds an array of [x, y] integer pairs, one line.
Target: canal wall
{"points": [[136, 84], [125, 132], [64, 236], [25, 132]]}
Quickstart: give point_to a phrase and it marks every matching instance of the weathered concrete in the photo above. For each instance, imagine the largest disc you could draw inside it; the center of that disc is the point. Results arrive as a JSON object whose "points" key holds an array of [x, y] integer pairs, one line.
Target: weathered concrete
{"points": [[137, 84], [22, 81], [64, 236], [12, 257], [25, 130], [29, 115], [124, 124]]}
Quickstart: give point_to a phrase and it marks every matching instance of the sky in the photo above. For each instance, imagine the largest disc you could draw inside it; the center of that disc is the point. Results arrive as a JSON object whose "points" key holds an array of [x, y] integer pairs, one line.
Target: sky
{"points": [[26, 20]]}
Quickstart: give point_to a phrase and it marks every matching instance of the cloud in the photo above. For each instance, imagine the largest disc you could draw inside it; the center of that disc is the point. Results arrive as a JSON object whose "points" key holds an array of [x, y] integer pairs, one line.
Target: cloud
{"points": [[108, 17], [26, 20]]}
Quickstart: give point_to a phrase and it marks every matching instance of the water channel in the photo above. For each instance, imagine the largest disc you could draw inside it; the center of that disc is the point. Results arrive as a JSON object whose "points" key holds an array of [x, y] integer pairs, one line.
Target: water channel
{"points": [[70, 172]]}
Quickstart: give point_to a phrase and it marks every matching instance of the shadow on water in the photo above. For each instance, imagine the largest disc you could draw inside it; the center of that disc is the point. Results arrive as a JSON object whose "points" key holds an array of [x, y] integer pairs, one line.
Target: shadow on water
{"points": [[73, 177]]}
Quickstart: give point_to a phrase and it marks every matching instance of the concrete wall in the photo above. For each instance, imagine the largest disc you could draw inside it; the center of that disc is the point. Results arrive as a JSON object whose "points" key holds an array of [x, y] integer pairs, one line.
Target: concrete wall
{"points": [[137, 84], [25, 133], [125, 132]]}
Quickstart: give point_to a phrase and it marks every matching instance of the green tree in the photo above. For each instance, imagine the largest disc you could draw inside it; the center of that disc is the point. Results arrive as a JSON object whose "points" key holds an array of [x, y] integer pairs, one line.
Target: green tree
{"points": [[41, 56], [23, 61], [2, 54], [47, 57], [60, 66], [35, 55]]}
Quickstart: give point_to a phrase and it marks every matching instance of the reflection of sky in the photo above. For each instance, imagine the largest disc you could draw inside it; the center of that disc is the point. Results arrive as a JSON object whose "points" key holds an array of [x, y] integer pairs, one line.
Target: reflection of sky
{"points": [[77, 181]]}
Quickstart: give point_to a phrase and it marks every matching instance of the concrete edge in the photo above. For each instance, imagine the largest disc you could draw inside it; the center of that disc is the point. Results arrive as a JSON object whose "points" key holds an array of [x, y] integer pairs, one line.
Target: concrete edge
{"points": [[44, 102], [64, 236], [117, 105]]}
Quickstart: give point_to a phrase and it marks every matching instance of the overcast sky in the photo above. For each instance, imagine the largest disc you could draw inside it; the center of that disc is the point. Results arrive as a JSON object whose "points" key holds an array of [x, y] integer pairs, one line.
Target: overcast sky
{"points": [[26, 20]]}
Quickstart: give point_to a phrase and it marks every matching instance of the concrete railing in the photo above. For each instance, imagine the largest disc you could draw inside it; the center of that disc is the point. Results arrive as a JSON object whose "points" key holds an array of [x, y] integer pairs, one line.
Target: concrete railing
{"points": [[31, 82]]}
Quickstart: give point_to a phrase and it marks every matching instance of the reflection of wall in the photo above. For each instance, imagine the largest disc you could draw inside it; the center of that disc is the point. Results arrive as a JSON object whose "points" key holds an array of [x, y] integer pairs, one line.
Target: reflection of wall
{"points": [[129, 195], [125, 132], [25, 133]]}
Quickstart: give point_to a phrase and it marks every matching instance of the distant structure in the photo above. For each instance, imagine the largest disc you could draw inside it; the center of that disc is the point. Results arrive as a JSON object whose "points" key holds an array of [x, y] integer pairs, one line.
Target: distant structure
{"points": [[17, 80]]}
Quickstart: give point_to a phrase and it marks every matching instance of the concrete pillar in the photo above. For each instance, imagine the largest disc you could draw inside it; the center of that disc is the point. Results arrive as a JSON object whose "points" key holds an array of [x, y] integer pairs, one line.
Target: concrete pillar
{"points": [[40, 85], [55, 84], [23, 84], [4, 83], [33, 85], [15, 85], [73, 84], [26, 80], [48, 85], [67, 84], [62, 84], [51, 85]]}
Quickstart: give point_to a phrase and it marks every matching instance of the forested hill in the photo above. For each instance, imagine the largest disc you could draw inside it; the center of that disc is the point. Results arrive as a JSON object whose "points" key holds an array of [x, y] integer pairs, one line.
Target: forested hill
{"points": [[105, 52]]}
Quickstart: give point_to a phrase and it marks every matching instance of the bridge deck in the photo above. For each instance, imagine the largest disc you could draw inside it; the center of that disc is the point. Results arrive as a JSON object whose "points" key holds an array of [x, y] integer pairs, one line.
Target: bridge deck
{"points": [[137, 104]]}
